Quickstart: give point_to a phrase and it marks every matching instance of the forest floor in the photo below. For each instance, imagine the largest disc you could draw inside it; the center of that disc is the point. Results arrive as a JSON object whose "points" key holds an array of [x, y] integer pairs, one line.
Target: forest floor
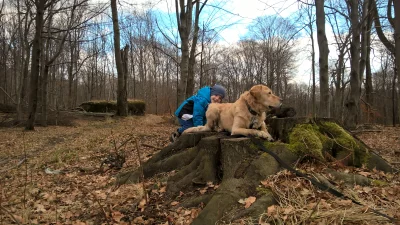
{"points": [[60, 182]]}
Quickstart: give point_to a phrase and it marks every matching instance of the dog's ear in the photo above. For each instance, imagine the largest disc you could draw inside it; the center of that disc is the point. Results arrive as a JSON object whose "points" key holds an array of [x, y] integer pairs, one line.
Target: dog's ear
{"points": [[255, 91]]}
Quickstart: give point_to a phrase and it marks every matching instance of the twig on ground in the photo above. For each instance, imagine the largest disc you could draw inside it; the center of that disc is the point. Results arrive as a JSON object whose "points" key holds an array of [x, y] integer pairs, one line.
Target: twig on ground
{"points": [[5, 211], [18, 164], [114, 142], [98, 202], [313, 210], [151, 146], [141, 170], [102, 208], [125, 142], [26, 172]]}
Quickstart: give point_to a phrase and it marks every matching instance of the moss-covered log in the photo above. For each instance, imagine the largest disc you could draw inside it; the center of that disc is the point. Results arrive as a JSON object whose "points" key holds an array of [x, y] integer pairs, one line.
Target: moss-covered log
{"points": [[238, 166], [326, 140], [135, 107]]}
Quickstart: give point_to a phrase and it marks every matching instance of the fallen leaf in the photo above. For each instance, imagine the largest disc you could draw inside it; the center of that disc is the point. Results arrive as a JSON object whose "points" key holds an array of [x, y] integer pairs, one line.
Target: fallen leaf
{"points": [[142, 204], [187, 212], [271, 210], [40, 208], [288, 210], [117, 216], [249, 201], [364, 173], [265, 183], [367, 189], [242, 201], [202, 191], [78, 222], [174, 203], [19, 218], [195, 213], [305, 192], [163, 189], [138, 220], [344, 202]]}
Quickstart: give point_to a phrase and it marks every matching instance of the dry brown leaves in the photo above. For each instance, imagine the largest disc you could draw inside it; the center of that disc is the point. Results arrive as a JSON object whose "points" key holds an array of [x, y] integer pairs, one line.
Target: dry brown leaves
{"points": [[386, 143], [301, 203], [79, 194]]}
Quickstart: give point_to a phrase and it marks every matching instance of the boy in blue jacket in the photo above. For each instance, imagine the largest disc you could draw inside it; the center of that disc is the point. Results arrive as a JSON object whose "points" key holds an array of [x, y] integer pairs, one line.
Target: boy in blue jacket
{"points": [[192, 112]]}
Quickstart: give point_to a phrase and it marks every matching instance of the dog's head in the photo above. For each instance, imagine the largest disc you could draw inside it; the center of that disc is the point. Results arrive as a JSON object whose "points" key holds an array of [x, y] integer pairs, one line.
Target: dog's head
{"points": [[263, 95]]}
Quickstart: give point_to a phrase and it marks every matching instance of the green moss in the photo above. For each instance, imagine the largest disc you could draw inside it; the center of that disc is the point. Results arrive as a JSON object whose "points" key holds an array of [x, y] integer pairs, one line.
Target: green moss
{"points": [[340, 136], [135, 107], [263, 191], [345, 143], [270, 145], [379, 183], [304, 139]]}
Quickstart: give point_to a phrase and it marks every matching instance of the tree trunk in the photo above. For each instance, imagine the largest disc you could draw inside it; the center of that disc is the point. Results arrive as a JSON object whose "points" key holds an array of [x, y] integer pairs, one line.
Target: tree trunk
{"points": [[70, 74], [35, 66], [192, 57], [352, 103], [23, 83], [365, 62], [323, 59], [368, 76], [397, 38], [313, 111], [365, 32], [338, 84], [184, 21], [122, 102], [45, 71], [378, 27]]}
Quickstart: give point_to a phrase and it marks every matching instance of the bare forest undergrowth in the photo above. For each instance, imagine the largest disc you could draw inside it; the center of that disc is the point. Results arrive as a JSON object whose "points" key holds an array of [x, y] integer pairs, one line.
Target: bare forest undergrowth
{"points": [[60, 181]]}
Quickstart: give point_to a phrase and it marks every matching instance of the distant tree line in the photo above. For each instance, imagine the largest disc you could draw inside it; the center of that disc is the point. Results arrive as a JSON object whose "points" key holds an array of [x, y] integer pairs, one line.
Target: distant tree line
{"points": [[56, 54]]}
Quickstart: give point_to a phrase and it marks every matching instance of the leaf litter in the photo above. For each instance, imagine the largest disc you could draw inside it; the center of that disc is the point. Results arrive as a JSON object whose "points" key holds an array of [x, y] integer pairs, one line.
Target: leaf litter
{"points": [[32, 192]]}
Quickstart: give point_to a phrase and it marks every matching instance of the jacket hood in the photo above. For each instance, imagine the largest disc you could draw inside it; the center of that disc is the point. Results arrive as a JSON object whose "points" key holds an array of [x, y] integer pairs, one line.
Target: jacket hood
{"points": [[205, 93]]}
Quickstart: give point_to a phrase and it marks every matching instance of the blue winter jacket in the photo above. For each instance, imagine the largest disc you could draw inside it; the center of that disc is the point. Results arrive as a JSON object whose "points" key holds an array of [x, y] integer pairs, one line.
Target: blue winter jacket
{"points": [[200, 105]]}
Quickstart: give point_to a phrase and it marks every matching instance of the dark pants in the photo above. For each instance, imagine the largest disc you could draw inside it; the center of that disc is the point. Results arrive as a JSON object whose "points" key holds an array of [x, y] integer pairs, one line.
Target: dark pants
{"points": [[185, 124]]}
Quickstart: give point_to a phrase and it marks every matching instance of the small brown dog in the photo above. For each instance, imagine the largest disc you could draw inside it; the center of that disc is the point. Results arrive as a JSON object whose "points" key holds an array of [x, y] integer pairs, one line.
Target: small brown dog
{"points": [[245, 117]]}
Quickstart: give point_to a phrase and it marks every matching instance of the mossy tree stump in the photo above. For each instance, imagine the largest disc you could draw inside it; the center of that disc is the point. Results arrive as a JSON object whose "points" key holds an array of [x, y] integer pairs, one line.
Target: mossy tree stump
{"points": [[238, 166]]}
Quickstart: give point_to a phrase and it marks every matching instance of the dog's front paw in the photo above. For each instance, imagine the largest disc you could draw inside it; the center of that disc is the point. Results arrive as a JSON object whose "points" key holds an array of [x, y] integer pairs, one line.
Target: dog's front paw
{"points": [[190, 130], [265, 135]]}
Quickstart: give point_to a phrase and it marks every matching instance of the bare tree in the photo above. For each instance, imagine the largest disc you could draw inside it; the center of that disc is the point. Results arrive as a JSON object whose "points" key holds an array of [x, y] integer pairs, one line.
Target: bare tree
{"points": [[365, 64], [352, 103], [397, 38], [323, 59], [23, 29], [122, 102], [311, 33], [388, 44], [35, 66], [184, 19]]}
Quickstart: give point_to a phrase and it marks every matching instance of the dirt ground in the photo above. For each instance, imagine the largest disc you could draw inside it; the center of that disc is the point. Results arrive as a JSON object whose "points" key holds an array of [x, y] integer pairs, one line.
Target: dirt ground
{"points": [[53, 176]]}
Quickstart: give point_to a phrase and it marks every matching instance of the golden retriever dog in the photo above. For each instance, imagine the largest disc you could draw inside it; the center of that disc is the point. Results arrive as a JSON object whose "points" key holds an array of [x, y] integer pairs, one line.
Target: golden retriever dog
{"points": [[245, 117]]}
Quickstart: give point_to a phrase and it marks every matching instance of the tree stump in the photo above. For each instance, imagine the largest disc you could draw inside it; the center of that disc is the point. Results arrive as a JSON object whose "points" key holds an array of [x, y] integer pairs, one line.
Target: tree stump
{"points": [[238, 166]]}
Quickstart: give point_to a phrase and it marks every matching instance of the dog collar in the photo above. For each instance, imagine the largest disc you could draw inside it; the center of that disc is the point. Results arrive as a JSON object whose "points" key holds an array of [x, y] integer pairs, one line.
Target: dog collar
{"points": [[252, 111]]}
